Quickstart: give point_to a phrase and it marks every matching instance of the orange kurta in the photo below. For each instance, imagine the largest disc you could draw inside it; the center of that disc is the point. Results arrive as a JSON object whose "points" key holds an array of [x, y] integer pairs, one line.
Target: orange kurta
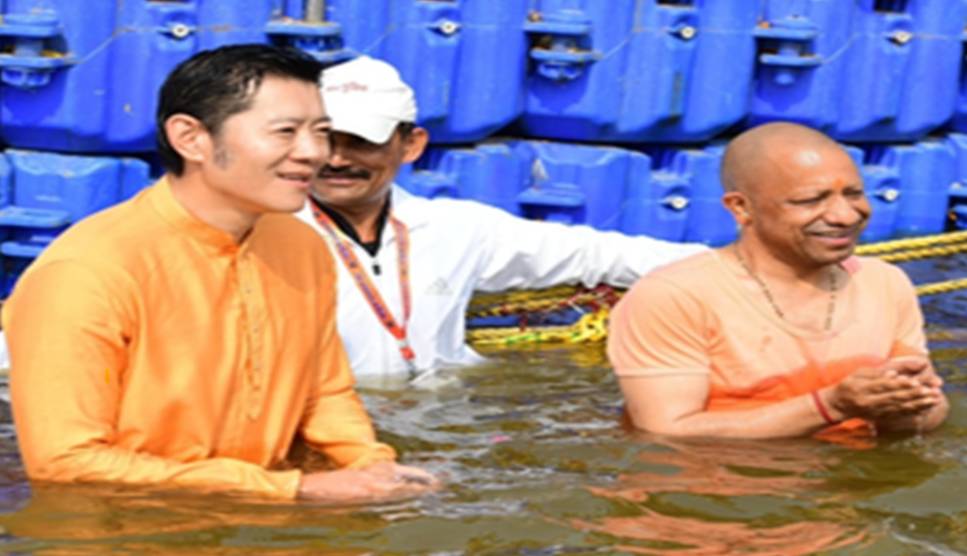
{"points": [[695, 317], [148, 347]]}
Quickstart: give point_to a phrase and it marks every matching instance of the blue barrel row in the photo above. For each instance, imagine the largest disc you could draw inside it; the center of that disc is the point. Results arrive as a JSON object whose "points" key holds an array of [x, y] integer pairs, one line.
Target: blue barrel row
{"points": [[958, 192], [674, 193], [665, 192], [82, 77], [42, 194]]}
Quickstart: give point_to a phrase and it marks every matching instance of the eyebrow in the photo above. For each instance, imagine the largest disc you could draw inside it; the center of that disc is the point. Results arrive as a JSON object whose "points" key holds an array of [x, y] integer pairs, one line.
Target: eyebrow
{"points": [[284, 119]]}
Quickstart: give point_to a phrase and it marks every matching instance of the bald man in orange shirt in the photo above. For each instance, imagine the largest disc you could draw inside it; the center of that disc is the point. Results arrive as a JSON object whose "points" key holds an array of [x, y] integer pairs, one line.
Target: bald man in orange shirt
{"points": [[784, 332], [185, 338]]}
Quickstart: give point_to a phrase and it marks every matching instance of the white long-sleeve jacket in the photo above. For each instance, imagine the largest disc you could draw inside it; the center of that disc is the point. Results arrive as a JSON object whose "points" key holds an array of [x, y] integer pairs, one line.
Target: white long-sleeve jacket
{"points": [[458, 247]]}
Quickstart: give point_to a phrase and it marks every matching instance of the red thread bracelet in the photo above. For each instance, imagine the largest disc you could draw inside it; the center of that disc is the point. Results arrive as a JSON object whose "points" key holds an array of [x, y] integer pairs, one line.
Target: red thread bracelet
{"points": [[822, 409]]}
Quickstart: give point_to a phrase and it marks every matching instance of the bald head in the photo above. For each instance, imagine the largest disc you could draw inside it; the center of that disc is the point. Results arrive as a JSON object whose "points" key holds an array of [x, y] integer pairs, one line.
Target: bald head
{"points": [[796, 195], [752, 156]]}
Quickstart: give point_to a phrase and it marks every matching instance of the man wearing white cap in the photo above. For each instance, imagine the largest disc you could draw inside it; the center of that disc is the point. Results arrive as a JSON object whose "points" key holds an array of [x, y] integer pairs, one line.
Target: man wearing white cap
{"points": [[409, 265]]}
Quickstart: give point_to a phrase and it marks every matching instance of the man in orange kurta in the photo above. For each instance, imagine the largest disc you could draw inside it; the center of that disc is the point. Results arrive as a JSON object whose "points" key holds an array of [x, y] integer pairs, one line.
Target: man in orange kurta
{"points": [[186, 337], [785, 332]]}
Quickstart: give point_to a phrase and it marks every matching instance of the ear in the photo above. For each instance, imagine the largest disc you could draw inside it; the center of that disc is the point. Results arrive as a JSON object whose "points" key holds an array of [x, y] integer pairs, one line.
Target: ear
{"points": [[188, 137], [415, 144], [738, 204]]}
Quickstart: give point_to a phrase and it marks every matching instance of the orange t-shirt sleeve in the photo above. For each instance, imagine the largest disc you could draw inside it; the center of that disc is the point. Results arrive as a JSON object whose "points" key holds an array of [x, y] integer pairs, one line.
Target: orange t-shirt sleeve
{"points": [[658, 328], [65, 325], [910, 336]]}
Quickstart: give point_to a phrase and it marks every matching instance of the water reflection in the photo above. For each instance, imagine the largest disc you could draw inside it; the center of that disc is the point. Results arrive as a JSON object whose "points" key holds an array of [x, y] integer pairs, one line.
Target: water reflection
{"points": [[656, 533], [538, 465], [704, 497], [109, 518]]}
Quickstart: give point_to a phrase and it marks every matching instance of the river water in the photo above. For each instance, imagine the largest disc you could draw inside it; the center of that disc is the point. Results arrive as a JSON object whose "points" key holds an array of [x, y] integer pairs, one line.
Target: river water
{"points": [[537, 464]]}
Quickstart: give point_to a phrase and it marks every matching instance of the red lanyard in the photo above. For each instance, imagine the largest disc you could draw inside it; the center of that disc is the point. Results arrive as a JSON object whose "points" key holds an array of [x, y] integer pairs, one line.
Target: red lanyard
{"points": [[365, 285]]}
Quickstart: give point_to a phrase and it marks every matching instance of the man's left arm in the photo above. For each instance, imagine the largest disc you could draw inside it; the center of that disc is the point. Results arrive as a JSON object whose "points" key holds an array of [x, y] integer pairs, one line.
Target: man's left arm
{"points": [[525, 254], [335, 422], [910, 340]]}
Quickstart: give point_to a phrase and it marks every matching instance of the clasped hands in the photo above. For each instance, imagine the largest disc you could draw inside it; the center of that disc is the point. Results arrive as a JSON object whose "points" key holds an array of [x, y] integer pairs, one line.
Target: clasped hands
{"points": [[903, 388]]}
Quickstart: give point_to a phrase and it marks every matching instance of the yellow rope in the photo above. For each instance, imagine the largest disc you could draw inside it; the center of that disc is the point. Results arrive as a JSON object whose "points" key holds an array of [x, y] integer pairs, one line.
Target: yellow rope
{"points": [[946, 335], [538, 301], [910, 243], [924, 253], [593, 326], [942, 287]]}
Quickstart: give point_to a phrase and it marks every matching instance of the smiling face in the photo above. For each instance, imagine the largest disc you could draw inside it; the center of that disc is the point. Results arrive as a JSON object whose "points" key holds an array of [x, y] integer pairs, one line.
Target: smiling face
{"points": [[359, 173], [263, 159], [806, 205]]}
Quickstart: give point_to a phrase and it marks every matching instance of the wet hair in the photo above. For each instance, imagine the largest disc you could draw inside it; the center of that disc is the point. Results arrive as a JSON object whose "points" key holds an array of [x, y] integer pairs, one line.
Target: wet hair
{"points": [[214, 85]]}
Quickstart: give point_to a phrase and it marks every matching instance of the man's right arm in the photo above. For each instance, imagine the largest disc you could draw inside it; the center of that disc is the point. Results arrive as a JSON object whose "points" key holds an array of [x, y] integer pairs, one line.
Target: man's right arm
{"points": [[674, 405], [519, 253], [68, 330]]}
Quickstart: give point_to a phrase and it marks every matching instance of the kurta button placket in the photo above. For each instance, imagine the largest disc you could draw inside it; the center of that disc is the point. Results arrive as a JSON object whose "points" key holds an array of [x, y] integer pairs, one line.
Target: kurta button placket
{"points": [[233, 446], [254, 314]]}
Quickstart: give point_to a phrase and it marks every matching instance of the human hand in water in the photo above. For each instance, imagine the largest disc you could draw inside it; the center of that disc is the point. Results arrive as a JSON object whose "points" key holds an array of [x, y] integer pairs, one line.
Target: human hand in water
{"points": [[380, 482], [915, 367], [901, 387]]}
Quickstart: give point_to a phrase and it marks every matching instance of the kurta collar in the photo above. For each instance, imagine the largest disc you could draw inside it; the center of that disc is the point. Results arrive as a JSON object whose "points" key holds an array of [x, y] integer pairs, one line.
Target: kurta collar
{"points": [[162, 198]]}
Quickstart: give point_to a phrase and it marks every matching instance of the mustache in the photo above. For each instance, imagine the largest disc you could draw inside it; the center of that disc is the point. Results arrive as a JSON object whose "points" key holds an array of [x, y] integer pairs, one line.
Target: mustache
{"points": [[838, 229], [331, 172]]}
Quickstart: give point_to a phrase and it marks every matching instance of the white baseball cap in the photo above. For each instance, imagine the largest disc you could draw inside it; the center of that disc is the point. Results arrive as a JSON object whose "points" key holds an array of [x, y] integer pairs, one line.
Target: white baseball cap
{"points": [[366, 97]]}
